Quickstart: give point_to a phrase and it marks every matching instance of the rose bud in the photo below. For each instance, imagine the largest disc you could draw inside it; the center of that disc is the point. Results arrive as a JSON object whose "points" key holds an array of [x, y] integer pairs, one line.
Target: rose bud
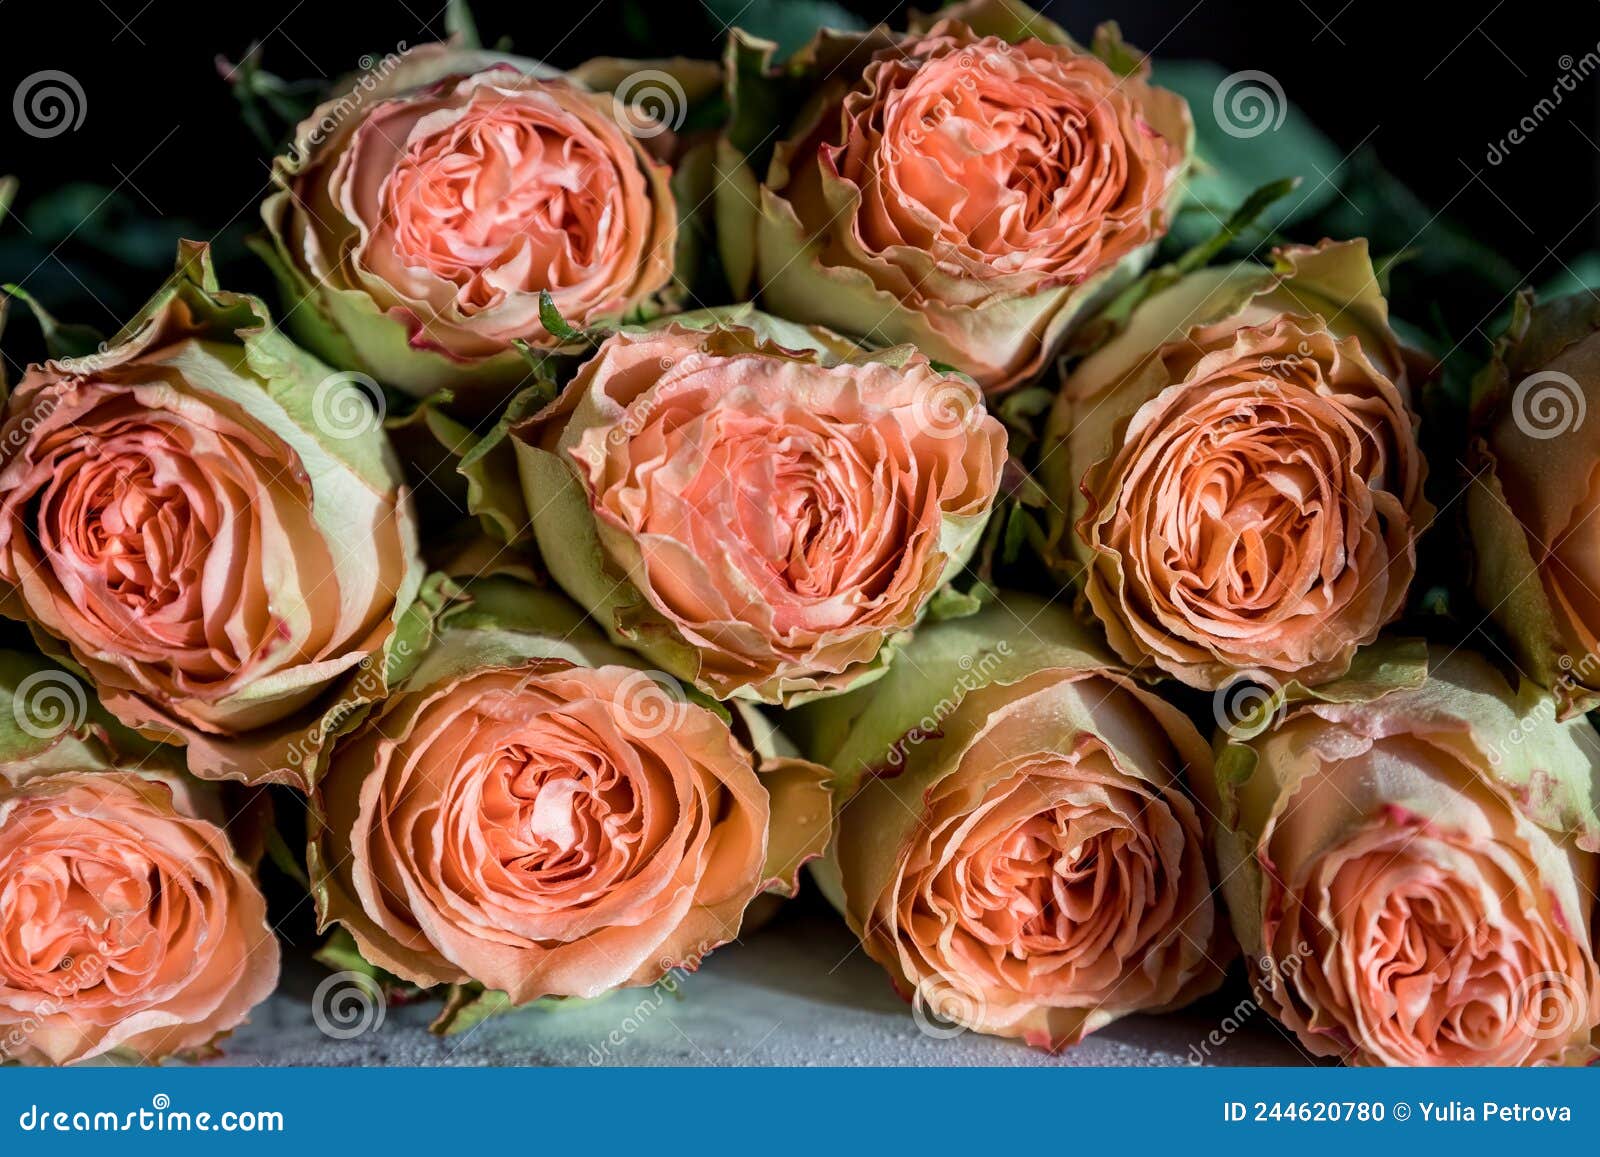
{"points": [[758, 508], [1237, 472], [534, 812], [210, 524], [973, 188], [129, 929], [420, 213], [1410, 868], [1532, 504], [1020, 856]]}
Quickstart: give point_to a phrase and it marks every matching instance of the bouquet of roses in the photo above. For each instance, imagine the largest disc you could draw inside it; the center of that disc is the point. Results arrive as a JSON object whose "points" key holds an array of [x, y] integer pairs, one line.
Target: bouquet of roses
{"points": [[659, 478]]}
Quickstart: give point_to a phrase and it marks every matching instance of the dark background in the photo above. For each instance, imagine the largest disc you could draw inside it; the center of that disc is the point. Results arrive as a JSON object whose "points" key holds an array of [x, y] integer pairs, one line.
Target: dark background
{"points": [[1422, 88]]}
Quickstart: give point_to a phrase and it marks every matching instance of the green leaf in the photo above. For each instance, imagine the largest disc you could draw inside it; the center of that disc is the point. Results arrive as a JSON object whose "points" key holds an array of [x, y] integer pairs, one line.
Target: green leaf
{"points": [[466, 1006], [284, 859], [949, 603], [341, 955], [1119, 57], [791, 23], [1252, 210], [1243, 151], [1115, 315], [458, 22], [62, 340], [554, 324]]}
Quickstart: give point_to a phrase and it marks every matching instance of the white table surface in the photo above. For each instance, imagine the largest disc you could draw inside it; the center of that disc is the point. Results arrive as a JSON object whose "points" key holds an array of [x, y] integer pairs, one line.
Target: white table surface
{"points": [[797, 992]]}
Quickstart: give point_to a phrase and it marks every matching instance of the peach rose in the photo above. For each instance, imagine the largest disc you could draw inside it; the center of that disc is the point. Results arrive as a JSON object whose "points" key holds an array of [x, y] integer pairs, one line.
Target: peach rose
{"points": [[533, 812], [1412, 875], [1535, 495], [211, 524], [972, 188], [1020, 856], [422, 212], [758, 508], [129, 929], [1242, 470]]}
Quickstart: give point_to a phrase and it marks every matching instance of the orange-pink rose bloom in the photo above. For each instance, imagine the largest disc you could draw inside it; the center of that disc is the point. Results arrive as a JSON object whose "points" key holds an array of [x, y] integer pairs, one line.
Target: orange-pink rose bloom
{"points": [[423, 212], [971, 194], [515, 817], [1021, 856], [128, 928], [1412, 874], [1241, 471], [766, 520], [215, 532]]}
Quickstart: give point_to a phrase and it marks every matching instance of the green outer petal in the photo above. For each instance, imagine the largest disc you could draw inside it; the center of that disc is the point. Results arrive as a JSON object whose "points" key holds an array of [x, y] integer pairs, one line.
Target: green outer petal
{"points": [[859, 733], [1505, 461], [1506, 583], [1549, 768], [36, 738], [1334, 281], [226, 345], [1010, 20], [570, 541]]}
